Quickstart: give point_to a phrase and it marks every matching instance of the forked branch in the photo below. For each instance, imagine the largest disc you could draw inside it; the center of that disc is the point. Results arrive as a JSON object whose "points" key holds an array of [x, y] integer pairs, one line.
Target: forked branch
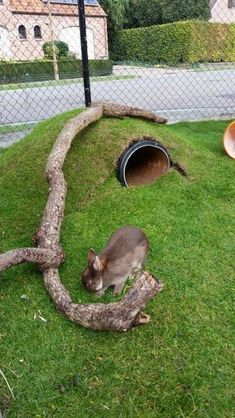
{"points": [[118, 316]]}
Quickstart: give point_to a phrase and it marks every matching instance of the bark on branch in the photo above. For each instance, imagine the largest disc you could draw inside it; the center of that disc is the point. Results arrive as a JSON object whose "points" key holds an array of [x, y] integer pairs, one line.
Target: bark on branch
{"points": [[118, 316], [120, 111], [41, 256]]}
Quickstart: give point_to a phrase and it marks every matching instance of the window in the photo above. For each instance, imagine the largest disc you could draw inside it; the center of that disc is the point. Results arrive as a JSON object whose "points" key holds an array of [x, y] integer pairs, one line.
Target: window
{"points": [[37, 32], [231, 3], [22, 32]]}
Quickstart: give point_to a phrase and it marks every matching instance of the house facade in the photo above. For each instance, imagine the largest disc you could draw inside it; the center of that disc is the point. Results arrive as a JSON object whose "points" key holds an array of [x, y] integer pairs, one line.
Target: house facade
{"points": [[25, 25], [222, 11]]}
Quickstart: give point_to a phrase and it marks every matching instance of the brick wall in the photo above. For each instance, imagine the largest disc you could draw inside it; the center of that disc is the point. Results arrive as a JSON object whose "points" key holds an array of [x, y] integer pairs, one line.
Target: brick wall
{"points": [[31, 48]]}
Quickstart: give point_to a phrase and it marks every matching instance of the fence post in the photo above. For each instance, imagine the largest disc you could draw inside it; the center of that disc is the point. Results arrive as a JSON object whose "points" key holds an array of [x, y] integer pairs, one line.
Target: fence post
{"points": [[85, 64], [52, 39]]}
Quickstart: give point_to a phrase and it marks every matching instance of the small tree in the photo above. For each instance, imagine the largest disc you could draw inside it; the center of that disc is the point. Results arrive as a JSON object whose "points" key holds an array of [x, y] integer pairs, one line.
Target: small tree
{"points": [[116, 12], [61, 49], [48, 50], [144, 13], [175, 10]]}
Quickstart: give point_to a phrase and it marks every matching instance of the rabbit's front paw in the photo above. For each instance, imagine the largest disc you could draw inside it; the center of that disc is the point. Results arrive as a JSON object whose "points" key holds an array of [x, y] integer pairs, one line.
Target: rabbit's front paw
{"points": [[100, 293], [118, 288]]}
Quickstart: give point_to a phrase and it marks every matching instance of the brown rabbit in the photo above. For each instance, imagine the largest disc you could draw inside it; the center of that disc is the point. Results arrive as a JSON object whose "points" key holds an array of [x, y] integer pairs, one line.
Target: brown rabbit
{"points": [[125, 253]]}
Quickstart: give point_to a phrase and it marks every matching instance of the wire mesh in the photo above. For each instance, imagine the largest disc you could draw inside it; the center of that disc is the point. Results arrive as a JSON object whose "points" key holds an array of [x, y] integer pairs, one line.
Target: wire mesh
{"points": [[41, 77], [200, 87]]}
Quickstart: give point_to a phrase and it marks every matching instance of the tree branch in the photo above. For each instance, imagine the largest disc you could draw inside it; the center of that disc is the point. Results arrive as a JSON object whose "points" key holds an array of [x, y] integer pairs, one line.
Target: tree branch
{"points": [[120, 111], [43, 257], [119, 316], [49, 232]]}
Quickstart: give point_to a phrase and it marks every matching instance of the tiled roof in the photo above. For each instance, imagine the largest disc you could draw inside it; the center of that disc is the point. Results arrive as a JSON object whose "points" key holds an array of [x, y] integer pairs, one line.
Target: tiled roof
{"points": [[40, 7]]}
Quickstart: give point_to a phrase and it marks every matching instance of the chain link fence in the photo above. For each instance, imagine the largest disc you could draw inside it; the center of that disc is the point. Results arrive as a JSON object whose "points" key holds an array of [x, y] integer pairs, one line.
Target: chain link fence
{"points": [[182, 70]]}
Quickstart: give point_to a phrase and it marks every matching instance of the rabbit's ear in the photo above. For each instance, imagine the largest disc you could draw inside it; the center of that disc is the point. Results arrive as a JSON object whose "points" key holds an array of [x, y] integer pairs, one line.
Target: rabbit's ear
{"points": [[91, 256], [94, 260]]}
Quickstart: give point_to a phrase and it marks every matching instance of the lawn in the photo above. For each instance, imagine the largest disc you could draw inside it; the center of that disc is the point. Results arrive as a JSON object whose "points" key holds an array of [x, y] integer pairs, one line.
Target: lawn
{"points": [[179, 365], [62, 82], [5, 129]]}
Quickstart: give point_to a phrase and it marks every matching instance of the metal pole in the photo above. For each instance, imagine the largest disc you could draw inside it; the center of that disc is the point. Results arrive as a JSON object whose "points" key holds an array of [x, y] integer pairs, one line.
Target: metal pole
{"points": [[85, 64]]}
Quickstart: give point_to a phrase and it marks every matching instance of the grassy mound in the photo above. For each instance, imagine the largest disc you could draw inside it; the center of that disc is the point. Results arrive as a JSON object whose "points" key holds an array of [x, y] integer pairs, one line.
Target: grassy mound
{"points": [[180, 364]]}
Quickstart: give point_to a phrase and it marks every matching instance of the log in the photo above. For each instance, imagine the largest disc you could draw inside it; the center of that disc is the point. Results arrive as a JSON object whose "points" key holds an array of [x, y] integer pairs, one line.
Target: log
{"points": [[117, 316], [49, 232], [43, 257], [120, 111]]}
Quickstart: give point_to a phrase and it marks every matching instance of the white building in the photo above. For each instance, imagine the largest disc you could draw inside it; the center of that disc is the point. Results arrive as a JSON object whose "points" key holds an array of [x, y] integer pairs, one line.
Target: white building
{"points": [[25, 25], [222, 11]]}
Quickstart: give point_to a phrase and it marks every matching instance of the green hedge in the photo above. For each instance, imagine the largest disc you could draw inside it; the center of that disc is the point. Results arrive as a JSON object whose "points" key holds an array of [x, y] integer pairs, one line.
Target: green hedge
{"points": [[26, 71], [186, 42]]}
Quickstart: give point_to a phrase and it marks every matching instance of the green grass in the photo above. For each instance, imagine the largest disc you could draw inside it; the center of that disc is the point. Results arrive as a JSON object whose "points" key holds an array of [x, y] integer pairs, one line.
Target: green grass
{"points": [[180, 365], [5, 129], [50, 83], [198, 66]]}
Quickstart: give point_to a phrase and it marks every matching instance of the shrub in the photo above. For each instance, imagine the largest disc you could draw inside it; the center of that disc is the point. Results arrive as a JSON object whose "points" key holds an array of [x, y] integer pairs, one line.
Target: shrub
{"points": [[72, 68], [188, 42], [25, 71], [21, 72], [61, 49]]}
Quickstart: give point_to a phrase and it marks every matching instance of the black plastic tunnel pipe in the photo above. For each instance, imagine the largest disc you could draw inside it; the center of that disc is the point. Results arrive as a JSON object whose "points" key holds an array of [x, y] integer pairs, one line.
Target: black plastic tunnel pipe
{"points": [[142, 162]]}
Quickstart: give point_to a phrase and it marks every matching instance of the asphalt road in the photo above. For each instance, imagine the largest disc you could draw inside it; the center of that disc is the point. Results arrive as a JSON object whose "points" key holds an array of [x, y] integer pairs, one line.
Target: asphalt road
{"points": [[175, 94]]}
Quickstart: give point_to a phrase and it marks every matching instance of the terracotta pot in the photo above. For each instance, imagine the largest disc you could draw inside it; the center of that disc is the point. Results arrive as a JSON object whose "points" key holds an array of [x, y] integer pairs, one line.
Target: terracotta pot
{"points": [[229, 140]]}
